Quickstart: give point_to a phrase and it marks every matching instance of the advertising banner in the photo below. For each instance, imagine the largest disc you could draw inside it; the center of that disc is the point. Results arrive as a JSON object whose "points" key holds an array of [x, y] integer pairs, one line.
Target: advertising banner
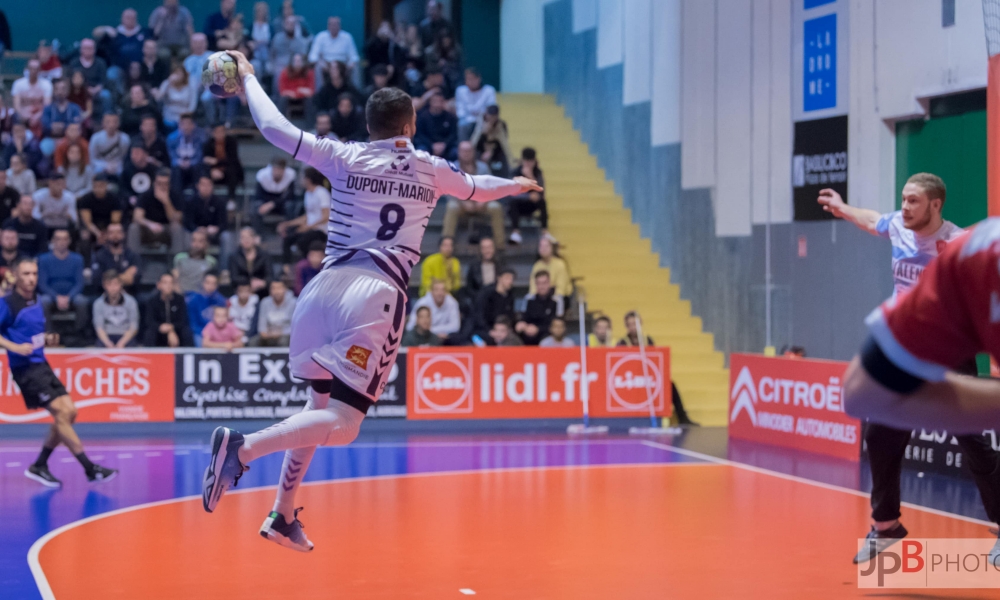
{"points": [[258, 385], [532, 383], [106, 387], [940, 452], [792, 403], [819, 161]]}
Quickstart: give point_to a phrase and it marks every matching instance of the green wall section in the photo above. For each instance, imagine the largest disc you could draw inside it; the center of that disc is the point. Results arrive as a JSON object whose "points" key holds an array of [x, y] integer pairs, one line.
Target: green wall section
{"points": [[953, 148], [481, 38], [70, 20]]}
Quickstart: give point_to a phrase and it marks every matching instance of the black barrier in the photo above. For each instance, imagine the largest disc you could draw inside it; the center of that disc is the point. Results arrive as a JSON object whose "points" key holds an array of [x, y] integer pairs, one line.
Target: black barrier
{"points": [[258, 385]]}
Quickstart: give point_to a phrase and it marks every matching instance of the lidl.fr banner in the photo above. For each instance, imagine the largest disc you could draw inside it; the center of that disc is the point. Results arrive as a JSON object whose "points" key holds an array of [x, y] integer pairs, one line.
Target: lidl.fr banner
{"points": [[793, 403], [528, 382], [122, 387]]}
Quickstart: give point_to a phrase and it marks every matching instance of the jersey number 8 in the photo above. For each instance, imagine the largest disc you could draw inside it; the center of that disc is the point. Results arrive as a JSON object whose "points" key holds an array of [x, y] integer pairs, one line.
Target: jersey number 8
{"points": [[392, 218]]}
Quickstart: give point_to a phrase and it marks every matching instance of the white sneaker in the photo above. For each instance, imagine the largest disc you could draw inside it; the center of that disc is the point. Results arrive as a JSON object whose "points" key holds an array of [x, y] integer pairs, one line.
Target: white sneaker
{"points": [[515, 238]]}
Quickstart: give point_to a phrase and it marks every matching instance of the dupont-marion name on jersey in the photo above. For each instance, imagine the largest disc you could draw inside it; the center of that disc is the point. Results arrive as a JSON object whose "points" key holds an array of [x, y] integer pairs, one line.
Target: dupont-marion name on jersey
{"points": [[388, 187]]}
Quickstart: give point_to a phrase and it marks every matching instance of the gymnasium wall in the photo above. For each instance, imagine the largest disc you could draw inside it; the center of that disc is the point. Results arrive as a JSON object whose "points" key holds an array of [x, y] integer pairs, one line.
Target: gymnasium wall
{"points": [[70, 20]]}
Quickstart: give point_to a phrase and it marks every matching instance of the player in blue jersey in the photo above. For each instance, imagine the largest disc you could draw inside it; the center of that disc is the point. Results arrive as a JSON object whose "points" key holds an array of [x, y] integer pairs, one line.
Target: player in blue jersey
{"points": [[22, 335], [918, 233]]}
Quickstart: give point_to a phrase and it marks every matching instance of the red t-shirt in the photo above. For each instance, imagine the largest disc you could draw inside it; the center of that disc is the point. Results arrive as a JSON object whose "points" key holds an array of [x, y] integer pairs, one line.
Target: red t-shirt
{"points": [[951, 314], [229, 333]]}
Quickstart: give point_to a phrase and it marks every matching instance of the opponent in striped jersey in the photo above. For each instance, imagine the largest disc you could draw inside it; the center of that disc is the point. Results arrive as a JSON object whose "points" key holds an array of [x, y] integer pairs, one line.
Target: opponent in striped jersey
{"points": [[348, 321]]}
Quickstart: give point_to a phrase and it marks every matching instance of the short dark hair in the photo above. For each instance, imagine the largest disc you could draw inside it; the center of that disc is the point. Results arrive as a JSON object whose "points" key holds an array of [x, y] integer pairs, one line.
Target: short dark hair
{"points": [[187, 117], [20, 260], [317, 246], [528, 154], [62, 229], [446, 237], [380, 70], [503, 320], [210, 273], [602, 318], [630, 315], [163, 172], [165, 274], [56, 175], [278, 161], [313, 175], [346, 96], [542, 273], [109, 275], [423, 308], [510, 272], [387, 112], [473, 71], [554, 319]]}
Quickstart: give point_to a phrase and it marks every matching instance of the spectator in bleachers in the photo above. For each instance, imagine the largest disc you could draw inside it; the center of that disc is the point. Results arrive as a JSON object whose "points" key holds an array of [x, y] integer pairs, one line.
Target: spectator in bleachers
{"points": [[116, 314], [173, 26], [494, 301], [288, 10], [109, 147], [7, 118], [250, 266], [31, 94], [322, 129], [137, 107], [259, 41], [542, 306], [137, 178], [194, 64], [242, 308], [95, 74], [347, 122], [458, 209], [50, 67], [445, 316], [482, 273], [491, 141], [334, 84], [312, 225], [124, 42], [557, 335], [274, 317], [56, 206], [80, 96], [155, 70], [185, 146], [218, 22], [60, 113], [19, 176], [114, 256], [8, 197], [296, 86], [222, 159], [310, 266], [156, 219], [419, 332], [166, 318], [445, 54], [97, 210], [60, 280], [275, 188], [434, 24], [200, 303], [383, 53], [233, 37], [150, 139], [73, 137], [333, 46], [190, 266], [220, 332], [413, 47], [285, 44], [380, 76], [437, 129], [177, 95], [502, 334], [550, 262], [601, 336], [441, 265], [33, 236], [525, 205], [23, 142], [79, 175], [208, 212], [434, 79], [471, 102], [9, 255]]}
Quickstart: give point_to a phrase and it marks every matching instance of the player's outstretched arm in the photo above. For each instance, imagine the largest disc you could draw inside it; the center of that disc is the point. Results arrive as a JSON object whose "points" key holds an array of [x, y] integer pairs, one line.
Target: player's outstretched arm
{"points": [[480, 188], [865, 219], [272, 124]]}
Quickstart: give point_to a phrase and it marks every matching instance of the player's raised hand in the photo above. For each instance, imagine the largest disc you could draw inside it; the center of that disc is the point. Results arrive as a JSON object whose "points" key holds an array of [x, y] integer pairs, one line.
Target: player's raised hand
{"points": [[244, 66], [528, 185], [831, 202]]}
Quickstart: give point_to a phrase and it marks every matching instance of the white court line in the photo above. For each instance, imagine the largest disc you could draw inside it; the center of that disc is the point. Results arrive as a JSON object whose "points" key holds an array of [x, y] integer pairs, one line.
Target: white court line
{"points": [[46, 590], [125, 455], [13, 464], [795, 478]]}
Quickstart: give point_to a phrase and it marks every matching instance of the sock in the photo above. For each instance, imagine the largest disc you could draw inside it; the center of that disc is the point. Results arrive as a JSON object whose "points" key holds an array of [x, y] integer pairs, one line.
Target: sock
{"points": [[335, 425], [43, 457], [293, 471], [85, 462]]}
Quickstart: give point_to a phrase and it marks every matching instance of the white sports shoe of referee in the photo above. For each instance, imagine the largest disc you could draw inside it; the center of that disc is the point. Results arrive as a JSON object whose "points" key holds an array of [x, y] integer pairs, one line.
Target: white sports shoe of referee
{"points": [[348, 322]]}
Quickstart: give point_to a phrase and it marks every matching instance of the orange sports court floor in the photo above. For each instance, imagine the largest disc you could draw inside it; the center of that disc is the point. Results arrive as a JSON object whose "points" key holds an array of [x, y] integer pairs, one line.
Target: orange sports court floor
{"points": [[452, 516]]}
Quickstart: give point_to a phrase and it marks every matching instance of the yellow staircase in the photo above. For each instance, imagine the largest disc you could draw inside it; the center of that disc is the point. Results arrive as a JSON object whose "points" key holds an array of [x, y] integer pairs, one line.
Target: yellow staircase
{"points": [[620, 271]]}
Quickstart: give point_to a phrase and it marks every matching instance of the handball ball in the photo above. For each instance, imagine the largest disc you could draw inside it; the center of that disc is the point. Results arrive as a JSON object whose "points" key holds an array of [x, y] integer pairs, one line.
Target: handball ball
{"points": [[220, 75]]}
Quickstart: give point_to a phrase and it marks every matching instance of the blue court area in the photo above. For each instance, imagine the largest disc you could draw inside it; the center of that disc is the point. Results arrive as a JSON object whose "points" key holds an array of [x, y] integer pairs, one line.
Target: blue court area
{"points": [[169, 464]]}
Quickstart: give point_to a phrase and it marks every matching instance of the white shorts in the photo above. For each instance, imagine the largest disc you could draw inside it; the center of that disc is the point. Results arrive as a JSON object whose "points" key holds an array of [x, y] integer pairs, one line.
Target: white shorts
{"points": [[347, 324]]}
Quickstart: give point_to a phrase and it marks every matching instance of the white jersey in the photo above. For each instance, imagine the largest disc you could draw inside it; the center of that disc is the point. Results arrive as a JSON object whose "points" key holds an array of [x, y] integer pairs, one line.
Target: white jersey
{"points": [[383, 192], [912, 253]]}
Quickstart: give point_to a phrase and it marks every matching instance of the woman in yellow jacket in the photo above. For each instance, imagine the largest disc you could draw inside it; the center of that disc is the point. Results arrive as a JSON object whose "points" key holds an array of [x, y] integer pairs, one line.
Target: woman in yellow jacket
{"points": [[549, 260]]}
